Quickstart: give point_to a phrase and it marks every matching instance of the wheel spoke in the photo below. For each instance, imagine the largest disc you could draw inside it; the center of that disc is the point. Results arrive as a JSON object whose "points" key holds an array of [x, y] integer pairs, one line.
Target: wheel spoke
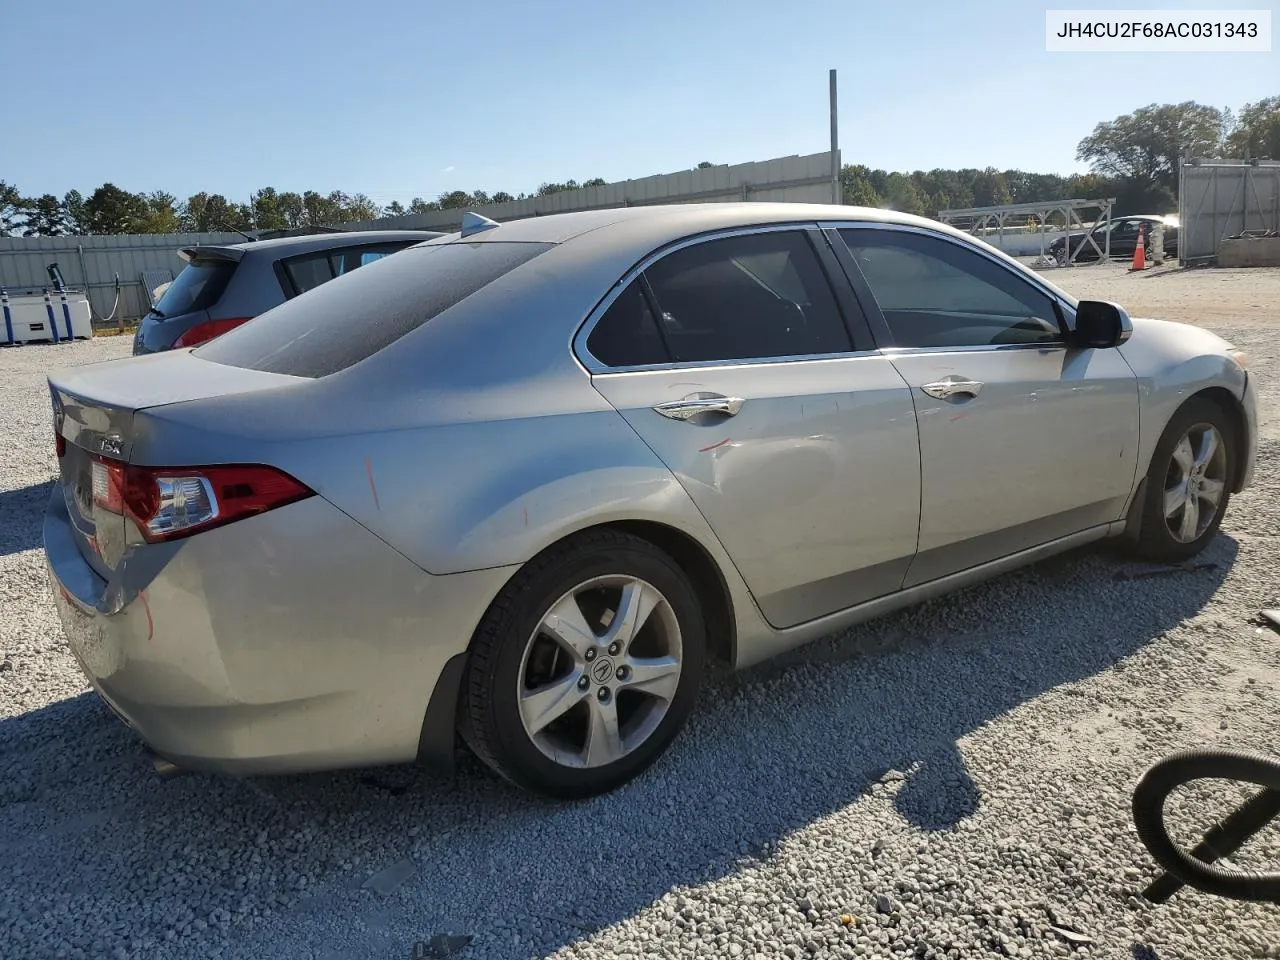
{"points": [[1190, 520], [656, 676], [567, 626], [1208, 447], [550, 702], [1183, 456], [604, 743], [637, 602], [1211, 491], [1174, 498]]}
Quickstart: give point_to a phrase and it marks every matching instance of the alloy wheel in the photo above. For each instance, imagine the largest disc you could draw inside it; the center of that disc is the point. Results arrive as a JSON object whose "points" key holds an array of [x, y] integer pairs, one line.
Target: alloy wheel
{"points": [[1195, 483], [600, 671]]}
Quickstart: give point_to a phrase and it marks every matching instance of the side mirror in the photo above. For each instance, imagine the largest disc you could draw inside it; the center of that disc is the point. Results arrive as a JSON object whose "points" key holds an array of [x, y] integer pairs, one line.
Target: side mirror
{"points": [[1100, 324]]}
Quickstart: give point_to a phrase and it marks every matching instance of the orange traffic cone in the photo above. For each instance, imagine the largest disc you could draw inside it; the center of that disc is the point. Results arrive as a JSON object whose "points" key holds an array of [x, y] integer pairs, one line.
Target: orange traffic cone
{"points": [[1140, 251]]}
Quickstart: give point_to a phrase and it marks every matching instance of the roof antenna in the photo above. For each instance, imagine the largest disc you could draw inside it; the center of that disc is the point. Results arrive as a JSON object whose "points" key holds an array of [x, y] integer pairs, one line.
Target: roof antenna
{"points": [[474, 223]]}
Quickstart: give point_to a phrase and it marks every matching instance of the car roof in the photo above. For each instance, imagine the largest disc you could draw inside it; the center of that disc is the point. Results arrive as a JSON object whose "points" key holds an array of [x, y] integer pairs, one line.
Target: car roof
{"points": [[286, 246], [677, 219]]}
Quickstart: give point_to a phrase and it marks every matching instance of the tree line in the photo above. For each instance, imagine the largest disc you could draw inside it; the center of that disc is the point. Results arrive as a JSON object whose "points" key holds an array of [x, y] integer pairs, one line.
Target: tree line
{"points": [[111, 210], [1134, 158]]}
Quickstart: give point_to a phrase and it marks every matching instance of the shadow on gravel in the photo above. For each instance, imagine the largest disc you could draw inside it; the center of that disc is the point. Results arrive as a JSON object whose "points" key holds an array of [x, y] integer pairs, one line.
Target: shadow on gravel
{"points": [[21, 516], [275, 867]]}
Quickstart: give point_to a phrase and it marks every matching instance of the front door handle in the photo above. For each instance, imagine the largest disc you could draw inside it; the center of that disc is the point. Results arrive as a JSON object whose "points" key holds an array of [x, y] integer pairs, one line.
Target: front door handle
{"points": [[690, 407], [952, 387]]}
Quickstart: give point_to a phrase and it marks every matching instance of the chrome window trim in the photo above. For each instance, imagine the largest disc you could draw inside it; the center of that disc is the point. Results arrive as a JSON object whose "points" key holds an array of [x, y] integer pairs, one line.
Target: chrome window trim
{"points": [[1029, 277], [604, 371], [597, 368]]}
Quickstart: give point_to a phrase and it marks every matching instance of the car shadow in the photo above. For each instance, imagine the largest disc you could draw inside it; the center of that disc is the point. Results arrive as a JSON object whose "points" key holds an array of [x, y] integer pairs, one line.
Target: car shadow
{"points": [[22, 516], [770, 751]]}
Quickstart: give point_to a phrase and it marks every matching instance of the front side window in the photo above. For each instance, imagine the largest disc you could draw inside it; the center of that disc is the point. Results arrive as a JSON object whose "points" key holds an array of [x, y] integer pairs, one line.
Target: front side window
{"points": [[936, 293], [758, 295]]}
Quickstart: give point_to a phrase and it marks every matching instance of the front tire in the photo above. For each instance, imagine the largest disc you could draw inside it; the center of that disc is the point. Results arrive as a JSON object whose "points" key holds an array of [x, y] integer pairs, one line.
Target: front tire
{"points": [[1188, 483], [585, 666]]}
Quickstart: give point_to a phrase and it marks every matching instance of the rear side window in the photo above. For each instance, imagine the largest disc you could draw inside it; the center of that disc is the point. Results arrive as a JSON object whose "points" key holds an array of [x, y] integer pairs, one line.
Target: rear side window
{"points": [[627, 335], [340, 324], [198, 287], [308, 272], [755, 296]]}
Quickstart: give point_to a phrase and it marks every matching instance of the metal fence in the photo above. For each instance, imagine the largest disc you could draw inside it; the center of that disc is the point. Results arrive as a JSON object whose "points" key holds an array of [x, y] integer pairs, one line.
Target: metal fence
{"points": [[92, 263], [795, 179], [1218, 199]]}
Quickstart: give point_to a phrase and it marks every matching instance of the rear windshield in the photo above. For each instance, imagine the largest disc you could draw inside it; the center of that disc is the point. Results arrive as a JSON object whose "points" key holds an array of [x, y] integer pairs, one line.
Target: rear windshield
{"points": [[198, 287], [342, 322]]}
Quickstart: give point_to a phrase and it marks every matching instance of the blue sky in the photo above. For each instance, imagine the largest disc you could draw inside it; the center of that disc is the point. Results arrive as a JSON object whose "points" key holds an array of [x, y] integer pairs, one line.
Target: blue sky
{"points": [[395, 98]]}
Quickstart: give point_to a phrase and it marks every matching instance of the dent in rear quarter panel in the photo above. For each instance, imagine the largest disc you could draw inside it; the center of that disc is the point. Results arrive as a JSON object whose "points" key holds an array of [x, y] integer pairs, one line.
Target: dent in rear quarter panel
{"points": [[1173, 362]]}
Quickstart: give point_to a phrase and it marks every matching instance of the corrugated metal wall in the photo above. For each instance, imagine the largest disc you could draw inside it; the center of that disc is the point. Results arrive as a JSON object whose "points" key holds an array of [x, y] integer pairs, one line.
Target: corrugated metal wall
{"points": [[793, 179], [1219, 199], [91, 264]]}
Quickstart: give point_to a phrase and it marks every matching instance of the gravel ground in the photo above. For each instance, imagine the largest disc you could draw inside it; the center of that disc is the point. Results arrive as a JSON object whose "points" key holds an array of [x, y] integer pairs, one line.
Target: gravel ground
{"points": [[948, 782]]}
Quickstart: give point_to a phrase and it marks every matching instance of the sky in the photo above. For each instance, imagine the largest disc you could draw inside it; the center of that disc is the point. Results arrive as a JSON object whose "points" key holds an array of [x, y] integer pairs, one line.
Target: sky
{"points": [[396, 98]]}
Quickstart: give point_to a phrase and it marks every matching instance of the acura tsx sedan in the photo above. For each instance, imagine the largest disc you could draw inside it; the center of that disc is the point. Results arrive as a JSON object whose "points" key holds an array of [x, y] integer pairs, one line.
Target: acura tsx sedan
{"points": [[521, 483]]}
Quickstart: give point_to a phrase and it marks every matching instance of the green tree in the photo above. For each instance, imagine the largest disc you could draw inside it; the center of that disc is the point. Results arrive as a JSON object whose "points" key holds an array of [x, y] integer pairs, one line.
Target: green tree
{"points": [[319, 210], [704, 165], [546, 189], [112, 210], [598, 181], [501, 197], [11, 203], [394, 209], [268, 214], [455, 200], [1256, 132], [73, 213], [360, 207], [162, 214], [292, 209], [856, 188], [903, 195], [418, 205], [43, 216], [1146, 146]]}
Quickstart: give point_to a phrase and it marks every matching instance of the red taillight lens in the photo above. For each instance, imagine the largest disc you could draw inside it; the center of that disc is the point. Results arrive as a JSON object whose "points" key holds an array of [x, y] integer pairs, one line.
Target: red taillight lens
{"points": [[59, 444], [204, 332], [171, 502]]}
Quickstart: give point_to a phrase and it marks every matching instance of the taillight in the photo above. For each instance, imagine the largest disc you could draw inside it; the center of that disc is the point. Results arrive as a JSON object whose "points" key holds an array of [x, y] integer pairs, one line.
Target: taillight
{"points": [[204, 332], [59, 444], [171, 502]]}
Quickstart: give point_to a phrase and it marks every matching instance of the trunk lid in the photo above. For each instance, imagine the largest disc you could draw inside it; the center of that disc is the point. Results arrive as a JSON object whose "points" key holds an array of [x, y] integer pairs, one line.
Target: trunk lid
{"points": [[98, 415]]}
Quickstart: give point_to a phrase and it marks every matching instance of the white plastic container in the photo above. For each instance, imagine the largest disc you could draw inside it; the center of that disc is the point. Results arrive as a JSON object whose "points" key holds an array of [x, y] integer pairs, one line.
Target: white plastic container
{"points": [[28, 320]]}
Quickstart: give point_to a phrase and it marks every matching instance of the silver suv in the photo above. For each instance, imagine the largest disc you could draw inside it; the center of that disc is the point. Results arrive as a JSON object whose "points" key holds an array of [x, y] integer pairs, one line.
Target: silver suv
{"points": [[222, 287]]}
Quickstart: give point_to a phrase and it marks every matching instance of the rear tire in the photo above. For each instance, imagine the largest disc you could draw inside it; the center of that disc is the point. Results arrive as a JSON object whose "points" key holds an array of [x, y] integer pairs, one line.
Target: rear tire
{"points": [[585, 667], [1188, 483]]}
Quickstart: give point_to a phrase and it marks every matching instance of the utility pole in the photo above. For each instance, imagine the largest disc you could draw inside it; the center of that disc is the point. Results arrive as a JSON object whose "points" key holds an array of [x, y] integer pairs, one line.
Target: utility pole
{"points": [[835, 145]]}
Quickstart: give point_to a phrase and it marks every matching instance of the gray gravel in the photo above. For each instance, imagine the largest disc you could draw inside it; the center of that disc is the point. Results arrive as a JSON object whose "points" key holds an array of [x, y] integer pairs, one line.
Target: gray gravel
{"points": [[949, 782]]}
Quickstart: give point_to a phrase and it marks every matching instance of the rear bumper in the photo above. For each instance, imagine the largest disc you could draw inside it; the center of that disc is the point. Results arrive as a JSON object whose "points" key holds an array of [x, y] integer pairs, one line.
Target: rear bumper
{"points": [[292, 641]]}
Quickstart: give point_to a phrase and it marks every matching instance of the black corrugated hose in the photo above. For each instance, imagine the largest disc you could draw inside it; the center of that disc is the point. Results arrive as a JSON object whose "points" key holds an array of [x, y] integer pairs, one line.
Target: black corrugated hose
{"points": [[1197, 868]]}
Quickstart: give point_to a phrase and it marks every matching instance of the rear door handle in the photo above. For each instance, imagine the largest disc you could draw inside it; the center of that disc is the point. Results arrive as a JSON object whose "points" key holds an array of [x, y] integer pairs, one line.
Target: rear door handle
{"points": [[952, 387], [690, 407]]}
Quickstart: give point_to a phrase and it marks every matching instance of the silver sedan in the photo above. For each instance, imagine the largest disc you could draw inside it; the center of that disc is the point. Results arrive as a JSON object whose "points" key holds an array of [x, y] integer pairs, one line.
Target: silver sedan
{"points": [[523, 482]]}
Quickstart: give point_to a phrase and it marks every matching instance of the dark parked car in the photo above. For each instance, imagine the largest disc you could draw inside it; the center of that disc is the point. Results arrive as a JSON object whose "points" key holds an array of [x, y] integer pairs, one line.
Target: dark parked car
{"points": [[1124, 238], [222, 287]]}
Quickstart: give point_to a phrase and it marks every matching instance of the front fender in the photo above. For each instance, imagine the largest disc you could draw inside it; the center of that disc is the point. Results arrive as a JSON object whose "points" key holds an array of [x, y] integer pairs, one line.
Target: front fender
{"points": [[1173, 362]]}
